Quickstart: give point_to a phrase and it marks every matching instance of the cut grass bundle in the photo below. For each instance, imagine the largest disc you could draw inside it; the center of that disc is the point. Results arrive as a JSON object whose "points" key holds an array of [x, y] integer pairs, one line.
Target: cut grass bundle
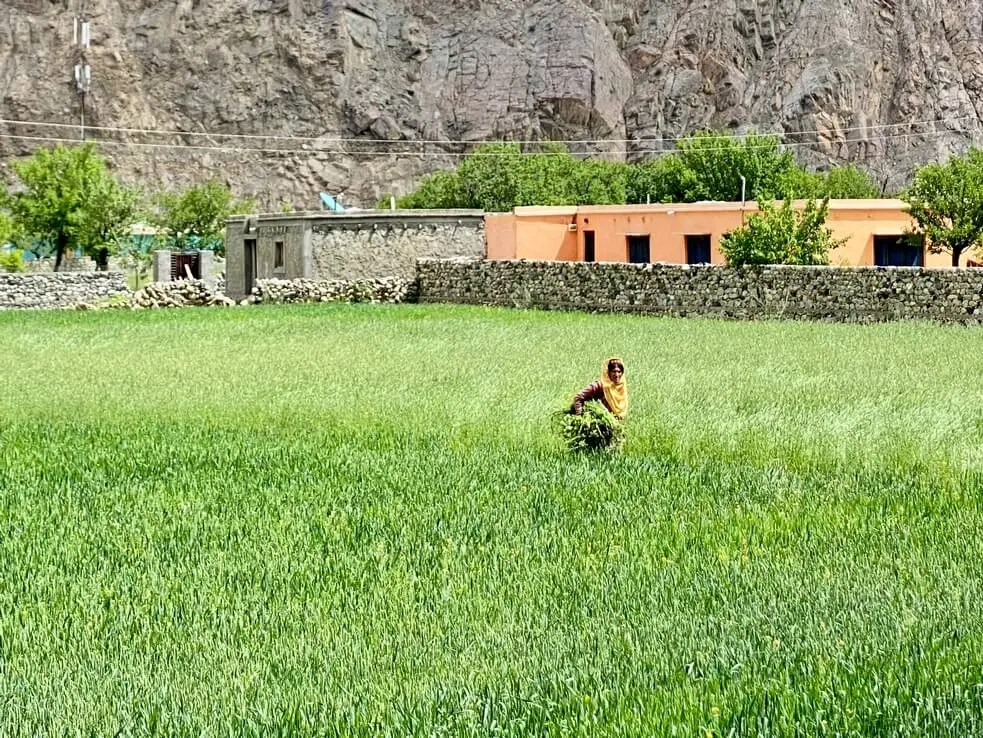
{"points": [[595, 429]]}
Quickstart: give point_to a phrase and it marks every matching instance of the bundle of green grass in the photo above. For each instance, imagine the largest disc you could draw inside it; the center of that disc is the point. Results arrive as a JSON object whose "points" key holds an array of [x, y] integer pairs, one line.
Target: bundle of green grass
{"points": [[595, 429]]}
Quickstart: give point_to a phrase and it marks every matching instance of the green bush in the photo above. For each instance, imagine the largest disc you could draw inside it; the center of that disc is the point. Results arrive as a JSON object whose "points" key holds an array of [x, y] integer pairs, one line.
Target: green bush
{"points": [[12, 261], [781, 235], [595, 429]]}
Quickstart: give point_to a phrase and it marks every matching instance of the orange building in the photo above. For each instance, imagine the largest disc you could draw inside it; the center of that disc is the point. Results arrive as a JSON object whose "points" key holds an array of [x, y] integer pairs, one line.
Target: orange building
{"points": [[872, 232]]}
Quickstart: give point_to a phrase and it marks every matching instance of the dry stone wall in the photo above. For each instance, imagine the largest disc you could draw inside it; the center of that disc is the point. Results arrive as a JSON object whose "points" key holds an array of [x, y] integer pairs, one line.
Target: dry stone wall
{"points": [[60, 290], [848, 294]]}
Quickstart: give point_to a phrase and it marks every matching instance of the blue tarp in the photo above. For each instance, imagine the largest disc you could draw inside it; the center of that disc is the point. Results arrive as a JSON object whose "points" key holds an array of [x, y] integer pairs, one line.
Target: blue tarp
{"points": [[330, 203]]}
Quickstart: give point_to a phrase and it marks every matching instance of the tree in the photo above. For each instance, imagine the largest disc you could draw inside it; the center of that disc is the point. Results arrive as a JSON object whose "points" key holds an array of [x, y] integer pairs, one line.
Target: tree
{"points": [[849, 182], [946, 202], [104, 230], [781, 235], [440, 190], [60, 199], [195, 218], [710, 166], [6, 228]]}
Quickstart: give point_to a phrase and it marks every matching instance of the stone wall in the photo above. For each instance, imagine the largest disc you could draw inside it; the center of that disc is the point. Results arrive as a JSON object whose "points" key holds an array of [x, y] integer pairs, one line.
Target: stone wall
{"points": [[60, 290], [849, 294], [388, 244]]}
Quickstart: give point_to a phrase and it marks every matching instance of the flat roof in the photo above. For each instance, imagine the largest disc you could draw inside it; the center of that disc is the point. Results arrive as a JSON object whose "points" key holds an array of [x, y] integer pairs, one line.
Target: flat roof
{"points": [[707, 206]]}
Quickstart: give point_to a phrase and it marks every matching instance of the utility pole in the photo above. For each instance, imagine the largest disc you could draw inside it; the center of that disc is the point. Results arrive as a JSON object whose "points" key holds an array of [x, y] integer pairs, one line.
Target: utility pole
{"points": [[80, 45]]}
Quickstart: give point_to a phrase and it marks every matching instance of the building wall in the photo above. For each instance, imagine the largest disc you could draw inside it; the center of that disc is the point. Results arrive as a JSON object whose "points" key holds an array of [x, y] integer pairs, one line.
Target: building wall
{"points": [[388, 244], [500, 236], [855, 221], [848, 294], [349, 246]]}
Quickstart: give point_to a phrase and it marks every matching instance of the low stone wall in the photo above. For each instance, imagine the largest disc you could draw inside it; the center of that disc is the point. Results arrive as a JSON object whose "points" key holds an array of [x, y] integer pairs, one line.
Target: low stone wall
{"points": [[60, 289], [848, 294], [384, 289]]}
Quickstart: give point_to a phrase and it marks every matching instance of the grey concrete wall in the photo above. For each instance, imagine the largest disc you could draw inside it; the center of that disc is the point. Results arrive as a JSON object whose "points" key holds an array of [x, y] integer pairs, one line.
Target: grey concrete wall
{"points": [[60, 290], [849, 294], [389, 244]]}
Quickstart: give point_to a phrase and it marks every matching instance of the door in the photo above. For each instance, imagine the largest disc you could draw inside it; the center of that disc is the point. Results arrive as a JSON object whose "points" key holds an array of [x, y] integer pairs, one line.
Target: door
{"points": [[589, 253], [638, 249], [249, 265]]}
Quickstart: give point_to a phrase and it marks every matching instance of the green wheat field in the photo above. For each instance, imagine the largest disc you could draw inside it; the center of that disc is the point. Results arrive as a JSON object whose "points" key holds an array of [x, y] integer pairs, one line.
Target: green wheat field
{"points": [[359, 521]]}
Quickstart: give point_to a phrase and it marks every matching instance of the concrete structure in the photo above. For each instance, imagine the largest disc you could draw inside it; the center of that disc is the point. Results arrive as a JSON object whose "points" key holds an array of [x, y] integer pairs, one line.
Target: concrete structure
{"points": [[691, 233], [360, 245]]}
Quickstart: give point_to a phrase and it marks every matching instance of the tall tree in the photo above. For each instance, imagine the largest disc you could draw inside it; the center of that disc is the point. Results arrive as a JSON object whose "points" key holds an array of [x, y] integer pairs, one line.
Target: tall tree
{"points": [[717, 166], [104, 230], [60, 197], [946, 202], [196, 217]]}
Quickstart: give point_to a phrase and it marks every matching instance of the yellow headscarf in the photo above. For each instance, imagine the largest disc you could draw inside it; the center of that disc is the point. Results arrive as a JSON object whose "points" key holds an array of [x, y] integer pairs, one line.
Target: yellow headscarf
{"points": [[615, 394]]}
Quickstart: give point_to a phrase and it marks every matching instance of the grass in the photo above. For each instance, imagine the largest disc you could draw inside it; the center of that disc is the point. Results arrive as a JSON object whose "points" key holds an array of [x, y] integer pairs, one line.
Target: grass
{"points": [[356, 520]]}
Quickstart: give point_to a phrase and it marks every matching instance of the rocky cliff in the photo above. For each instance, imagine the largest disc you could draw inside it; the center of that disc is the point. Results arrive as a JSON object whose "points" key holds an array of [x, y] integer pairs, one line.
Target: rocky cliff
{"points": [[363, 96]]}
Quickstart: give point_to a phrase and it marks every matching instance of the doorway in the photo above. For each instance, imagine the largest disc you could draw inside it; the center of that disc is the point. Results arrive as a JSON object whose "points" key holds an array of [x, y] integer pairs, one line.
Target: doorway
{"points": [[249, 265]]}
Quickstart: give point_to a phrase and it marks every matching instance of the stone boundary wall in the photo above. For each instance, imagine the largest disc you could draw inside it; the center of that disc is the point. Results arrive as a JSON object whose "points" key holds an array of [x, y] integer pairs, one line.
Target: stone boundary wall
{"points": [[847, 294], [382, 289], [60, 289]]}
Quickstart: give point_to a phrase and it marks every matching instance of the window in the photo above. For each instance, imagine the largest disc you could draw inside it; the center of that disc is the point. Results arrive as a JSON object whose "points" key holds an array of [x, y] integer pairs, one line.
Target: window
{"points": [[278, 255], [638, 249], [589, 254], [698, 249], [899, 251]]}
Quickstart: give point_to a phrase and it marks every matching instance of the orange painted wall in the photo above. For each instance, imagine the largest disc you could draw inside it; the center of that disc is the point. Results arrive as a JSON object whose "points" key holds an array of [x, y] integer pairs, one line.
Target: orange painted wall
{"points": [[543, 233], [500, 236]]}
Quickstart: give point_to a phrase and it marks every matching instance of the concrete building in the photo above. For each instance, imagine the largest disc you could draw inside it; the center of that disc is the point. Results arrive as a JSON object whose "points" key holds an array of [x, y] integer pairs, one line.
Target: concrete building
{"points": [[345, 246], [872, 230]]}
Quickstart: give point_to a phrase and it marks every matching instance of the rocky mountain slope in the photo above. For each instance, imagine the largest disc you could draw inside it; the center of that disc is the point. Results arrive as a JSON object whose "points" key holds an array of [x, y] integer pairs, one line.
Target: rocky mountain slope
{"points": [[363, 96]]}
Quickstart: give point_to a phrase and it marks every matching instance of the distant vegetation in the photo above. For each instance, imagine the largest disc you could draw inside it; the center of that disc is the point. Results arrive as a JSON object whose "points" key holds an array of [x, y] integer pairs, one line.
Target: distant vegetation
{"points": [[67, 201], [706, 166]]}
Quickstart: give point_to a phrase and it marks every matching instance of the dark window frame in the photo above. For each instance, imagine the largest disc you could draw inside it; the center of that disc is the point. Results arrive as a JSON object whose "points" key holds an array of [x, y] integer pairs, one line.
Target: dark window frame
{"points": [[895, 250], [701, 241], [278, 255], [634, 243]]}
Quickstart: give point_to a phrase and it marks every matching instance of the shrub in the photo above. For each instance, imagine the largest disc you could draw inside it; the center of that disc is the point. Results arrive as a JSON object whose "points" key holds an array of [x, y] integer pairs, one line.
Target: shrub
{"points": [[12, 260], [595, 429], [780, 235]]}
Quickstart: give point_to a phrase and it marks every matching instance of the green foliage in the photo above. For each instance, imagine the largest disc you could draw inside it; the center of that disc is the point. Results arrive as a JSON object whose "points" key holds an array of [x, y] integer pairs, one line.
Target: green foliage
{"points": [[6, 228], [105, 229], [781, 235], [594, 429], [195, 218], [437, 191], [705, 166], [946, 202], [709, 166], [63, 203], [11, 260], [849, 182]]}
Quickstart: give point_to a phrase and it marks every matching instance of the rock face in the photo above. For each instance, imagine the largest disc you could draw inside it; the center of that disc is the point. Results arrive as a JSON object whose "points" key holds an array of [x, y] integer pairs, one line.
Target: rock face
{"points": [[364, 96]]}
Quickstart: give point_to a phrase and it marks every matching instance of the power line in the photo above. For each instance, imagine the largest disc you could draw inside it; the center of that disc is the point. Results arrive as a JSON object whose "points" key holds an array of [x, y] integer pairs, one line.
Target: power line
{"points": [[475, 142], [407, 149]]}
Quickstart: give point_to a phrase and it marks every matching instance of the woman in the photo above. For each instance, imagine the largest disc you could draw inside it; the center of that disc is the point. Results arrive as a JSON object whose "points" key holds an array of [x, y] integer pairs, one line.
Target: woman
{"points": [[611, 390]]}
